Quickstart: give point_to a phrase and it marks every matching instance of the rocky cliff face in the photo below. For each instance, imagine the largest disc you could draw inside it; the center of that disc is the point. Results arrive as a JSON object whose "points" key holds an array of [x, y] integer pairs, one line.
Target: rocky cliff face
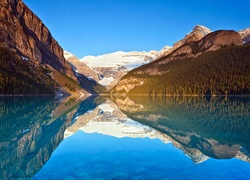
{"points": [[24, 32]]}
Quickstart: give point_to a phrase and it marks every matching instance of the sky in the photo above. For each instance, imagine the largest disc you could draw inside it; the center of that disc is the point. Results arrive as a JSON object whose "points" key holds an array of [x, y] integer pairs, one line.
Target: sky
{"points": [[95, 27]]}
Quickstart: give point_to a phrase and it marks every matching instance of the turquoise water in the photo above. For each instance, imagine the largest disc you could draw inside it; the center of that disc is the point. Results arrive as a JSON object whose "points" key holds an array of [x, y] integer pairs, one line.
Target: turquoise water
{"points": [[132, 138], [96, 156]]}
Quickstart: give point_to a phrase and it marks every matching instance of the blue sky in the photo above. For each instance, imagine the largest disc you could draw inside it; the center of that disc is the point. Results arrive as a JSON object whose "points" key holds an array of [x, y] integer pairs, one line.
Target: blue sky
{"points": [[94, 27]]}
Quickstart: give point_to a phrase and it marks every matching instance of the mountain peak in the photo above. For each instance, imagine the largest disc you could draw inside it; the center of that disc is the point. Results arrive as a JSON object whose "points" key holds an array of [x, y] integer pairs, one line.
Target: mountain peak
{"points": [[197, 33], [201, 29]]}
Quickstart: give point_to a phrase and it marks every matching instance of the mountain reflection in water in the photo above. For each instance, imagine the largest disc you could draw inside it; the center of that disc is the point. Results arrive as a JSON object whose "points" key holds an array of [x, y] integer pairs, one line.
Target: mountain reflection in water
{"points": [[202, 128], [205, 127], [32, 129]]}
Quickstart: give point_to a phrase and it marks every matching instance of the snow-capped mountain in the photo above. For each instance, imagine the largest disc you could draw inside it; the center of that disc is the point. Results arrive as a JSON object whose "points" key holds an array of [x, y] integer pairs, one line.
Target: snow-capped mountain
{"points": [[107, 69], [111, 67]]}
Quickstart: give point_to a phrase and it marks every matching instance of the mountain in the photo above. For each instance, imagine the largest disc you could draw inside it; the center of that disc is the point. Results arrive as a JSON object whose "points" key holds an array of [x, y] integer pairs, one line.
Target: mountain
{"points": [[111, 67], [108, 69], [217, 64], [23, 31], [28, 43]]}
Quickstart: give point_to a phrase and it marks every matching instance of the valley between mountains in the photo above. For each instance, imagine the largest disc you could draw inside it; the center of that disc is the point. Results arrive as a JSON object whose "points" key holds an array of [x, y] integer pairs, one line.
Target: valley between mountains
{"points": [[204, 62]]}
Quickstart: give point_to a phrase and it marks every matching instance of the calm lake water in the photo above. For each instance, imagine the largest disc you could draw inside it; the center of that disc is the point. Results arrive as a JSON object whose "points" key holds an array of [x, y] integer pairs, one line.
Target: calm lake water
{"points": [[125, 138]]}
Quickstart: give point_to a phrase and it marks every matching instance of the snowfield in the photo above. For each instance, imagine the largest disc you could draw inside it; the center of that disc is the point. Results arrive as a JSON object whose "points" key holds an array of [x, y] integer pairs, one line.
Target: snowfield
{"points": [[117, 59]]}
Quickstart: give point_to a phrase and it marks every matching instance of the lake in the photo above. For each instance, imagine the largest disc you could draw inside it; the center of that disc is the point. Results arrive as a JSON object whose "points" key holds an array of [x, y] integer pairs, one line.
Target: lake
{"points": [[125, 138]]}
